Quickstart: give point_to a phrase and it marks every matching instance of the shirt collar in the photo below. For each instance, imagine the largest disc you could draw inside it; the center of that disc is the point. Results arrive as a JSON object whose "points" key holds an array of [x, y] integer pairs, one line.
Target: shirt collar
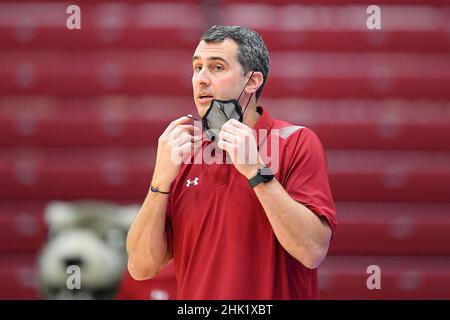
{"points": [[265, 121]]}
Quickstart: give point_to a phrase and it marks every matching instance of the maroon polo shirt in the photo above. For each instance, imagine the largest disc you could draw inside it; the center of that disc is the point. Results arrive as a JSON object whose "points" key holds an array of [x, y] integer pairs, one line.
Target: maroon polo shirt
{"points": [[222, 242]]}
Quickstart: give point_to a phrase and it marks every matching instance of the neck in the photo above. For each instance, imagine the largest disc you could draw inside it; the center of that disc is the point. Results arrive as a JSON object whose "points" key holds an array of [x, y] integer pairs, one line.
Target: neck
{"points": [[251, 116]]}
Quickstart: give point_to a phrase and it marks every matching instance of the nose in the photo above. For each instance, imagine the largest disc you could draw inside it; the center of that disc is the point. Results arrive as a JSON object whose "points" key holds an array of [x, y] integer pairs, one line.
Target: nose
{"points": [[73, 261], [202, 78]]}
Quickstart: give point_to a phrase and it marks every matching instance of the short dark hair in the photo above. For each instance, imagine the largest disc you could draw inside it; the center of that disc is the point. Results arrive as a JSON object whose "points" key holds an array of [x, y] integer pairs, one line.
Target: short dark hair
{"points": [[252, 53]]}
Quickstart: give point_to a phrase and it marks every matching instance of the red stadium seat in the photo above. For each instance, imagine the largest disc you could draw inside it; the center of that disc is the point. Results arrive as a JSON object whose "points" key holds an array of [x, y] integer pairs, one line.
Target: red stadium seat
{"points": [[312, 75], [91, 73], [392, 228], [389, 176], [139, 25], [370, 124], [22, 226], [333, 2], [126, 122], [83, 122], [333, 26], [75, 174], [354, 175], [340, 277], [18, 277], [383, 228], [103, 25], [358, 76], [345, 277]]}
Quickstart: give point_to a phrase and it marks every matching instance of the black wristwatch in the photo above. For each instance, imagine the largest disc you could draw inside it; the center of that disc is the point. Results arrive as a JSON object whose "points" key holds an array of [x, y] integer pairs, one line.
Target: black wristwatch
{"points": [[263, 175]]}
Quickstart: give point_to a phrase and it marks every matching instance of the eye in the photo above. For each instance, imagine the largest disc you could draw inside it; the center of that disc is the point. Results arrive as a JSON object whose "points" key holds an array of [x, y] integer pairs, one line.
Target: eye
{"points": [[218, 67], [197, 68]]}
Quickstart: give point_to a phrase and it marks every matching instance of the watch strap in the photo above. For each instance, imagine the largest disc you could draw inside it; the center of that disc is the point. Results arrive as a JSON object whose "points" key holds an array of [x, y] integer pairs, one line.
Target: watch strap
{"points": [[256, 180], [261, 178]]}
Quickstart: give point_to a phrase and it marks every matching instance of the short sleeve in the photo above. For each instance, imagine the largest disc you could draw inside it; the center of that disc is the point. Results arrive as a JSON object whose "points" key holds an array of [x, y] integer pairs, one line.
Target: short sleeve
{"points": [[306, 179]]}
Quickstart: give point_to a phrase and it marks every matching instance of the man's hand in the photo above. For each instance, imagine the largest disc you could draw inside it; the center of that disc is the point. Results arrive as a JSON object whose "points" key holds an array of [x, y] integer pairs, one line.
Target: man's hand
{"points": [[239, 141], [176, 142]]}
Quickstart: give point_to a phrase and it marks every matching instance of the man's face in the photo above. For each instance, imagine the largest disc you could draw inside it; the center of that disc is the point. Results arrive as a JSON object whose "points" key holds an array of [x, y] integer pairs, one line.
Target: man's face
{"points": [[216, 73]]}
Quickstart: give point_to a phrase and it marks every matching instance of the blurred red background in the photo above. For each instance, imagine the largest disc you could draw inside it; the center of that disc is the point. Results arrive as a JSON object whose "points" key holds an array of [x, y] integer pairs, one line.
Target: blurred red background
{"points": [[81, 111]]}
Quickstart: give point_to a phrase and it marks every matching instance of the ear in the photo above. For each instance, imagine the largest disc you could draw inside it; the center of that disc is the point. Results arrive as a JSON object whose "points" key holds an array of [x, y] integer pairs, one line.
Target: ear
{"points": [[59, 214], [255, 82], [126, 214]]}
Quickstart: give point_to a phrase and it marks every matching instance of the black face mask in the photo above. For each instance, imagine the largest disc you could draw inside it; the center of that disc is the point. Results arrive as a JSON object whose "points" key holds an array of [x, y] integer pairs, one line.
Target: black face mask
{"points": [[220, 111]]}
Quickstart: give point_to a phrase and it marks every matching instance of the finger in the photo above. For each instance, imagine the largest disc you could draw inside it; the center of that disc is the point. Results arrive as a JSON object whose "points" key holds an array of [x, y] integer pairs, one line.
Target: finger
{"points": [[188, 128], [181, 152], [229, 137], [185, 146], [227, 146], [243, 131], [185, 137], [237, 124], [196, 139], [180, 121], [186, 150], [180, 141], [229, 128]]}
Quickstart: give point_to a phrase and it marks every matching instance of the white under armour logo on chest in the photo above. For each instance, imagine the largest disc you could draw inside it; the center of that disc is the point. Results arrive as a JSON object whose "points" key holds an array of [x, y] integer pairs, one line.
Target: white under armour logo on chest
{"points": [[189, 182]]}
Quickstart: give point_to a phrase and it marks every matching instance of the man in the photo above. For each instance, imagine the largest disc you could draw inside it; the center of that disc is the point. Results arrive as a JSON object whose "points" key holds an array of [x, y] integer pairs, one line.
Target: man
{"points": [[233, 231]]}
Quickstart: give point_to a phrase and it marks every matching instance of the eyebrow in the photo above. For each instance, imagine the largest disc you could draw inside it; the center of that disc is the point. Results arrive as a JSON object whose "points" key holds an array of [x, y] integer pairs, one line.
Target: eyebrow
{"points": [[211, 59]]}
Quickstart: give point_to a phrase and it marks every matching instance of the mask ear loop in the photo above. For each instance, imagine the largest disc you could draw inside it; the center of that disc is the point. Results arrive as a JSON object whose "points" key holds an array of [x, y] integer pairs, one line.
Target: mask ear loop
{"points": [[245, 85], [248, 101], [191, 117]]}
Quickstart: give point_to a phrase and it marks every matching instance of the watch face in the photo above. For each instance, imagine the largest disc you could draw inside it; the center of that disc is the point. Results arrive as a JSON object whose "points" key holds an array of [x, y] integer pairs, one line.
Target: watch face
{"points": [[266, 171]]}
